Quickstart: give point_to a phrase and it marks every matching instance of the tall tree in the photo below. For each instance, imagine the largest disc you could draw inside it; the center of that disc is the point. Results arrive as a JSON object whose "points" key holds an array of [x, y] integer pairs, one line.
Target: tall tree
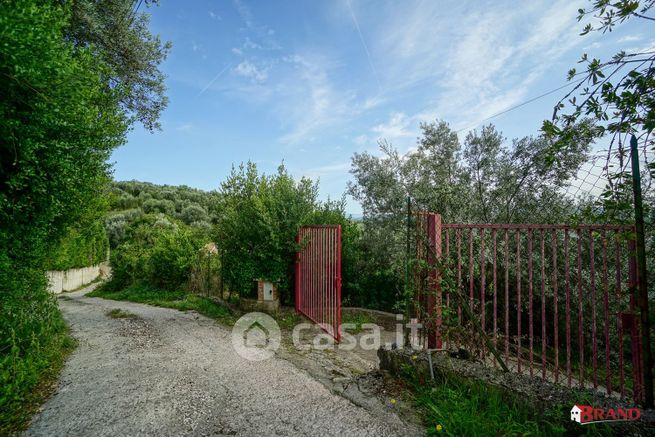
{"points": [[485, 180], [118, 33]]}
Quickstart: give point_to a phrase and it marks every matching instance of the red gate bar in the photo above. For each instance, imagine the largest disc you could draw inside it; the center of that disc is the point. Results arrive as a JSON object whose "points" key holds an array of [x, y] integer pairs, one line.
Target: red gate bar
{"points": [[447, 256], [506, 295], [530, 321], [483, 275], [471, 268], [580, 316], [606, 310], [429, 243], [593, 307], [619, 324], [518, 301], [568, 306], [459, 272], [493, 237], [543, 307], [555, 306]]}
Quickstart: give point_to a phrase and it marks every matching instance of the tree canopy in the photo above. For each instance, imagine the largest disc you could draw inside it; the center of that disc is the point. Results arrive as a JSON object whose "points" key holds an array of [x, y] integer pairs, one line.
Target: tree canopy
{"points": [[116, 32]]}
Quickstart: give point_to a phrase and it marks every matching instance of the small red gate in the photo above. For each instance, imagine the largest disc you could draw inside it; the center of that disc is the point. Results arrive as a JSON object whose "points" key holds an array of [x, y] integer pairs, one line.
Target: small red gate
{"points": [[318, 276]]}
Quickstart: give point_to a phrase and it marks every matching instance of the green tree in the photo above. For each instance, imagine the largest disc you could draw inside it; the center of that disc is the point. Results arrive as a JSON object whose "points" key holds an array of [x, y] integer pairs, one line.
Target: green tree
{"points": [[616, 95], [484, 180], [257, 225], [119, 35]]}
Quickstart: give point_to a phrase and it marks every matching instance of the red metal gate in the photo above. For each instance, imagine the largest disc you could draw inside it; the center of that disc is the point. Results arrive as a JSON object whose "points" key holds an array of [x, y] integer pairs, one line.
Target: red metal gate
{"points": [[556, 300], [318, 276]]}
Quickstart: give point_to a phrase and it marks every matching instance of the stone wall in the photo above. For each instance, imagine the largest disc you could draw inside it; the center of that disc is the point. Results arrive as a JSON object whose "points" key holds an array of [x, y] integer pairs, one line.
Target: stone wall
{"points": [[267, 306], [60, 281]]}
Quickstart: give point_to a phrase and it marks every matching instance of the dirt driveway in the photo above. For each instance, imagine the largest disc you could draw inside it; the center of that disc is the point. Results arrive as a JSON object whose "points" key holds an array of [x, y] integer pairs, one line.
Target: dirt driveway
{"points": [[167, 372]]}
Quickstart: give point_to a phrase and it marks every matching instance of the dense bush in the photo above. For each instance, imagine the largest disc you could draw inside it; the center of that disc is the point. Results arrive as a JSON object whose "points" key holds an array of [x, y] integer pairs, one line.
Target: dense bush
{"points": [[156, 205], [156, 233], [156, 251], [194, 214], [257, 222], [80, 247]]}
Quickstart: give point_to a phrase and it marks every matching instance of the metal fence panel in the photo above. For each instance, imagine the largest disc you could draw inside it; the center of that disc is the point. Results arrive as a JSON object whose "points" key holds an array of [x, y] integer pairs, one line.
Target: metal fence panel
{"points": [[571, 330]]}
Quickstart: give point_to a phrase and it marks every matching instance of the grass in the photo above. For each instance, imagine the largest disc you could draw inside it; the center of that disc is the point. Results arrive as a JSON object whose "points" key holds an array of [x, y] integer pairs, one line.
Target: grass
{"points": [[117, 313], [34, 377], [356, 318], [461, 407], [83, 286], [288, 320], [179, 300]]}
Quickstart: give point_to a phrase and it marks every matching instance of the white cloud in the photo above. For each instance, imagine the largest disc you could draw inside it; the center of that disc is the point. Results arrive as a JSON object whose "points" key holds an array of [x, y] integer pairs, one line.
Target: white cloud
{"points": [[476, 61], [214, 16], [469, 62], [327, 170], [250, 71], [629, 38], [262, 33], [313, 101], [361, 140], [184, 127], [248, 44], [373, 102], [245, 13], [397, 127]]}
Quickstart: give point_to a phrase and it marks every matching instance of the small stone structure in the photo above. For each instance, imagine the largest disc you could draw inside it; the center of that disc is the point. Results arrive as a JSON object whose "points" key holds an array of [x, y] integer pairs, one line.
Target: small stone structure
{"points": [[268, 298]]}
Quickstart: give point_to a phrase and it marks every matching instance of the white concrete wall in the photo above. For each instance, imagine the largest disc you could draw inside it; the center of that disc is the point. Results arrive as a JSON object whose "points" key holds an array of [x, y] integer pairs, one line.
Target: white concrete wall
{"points": [[60, 281]]}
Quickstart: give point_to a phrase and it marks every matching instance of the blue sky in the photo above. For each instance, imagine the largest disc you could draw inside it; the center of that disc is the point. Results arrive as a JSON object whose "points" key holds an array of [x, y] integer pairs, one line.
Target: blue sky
{"points": [[312, 82]]}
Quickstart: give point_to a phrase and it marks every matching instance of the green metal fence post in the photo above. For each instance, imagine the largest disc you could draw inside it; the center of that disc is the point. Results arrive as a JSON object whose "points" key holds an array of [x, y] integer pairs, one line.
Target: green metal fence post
{"points": [[642, 294]]}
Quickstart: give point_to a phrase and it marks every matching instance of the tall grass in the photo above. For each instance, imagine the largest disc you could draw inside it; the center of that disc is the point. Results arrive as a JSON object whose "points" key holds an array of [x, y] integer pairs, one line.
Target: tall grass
{"points": [[179, 300], [29, 369], [461, 407]]}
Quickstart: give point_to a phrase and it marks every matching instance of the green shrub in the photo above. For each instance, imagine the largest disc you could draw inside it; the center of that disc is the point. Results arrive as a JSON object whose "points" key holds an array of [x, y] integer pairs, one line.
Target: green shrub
{"points": [[159, 205], [193, 213], [82, 246], [156, 251], [172, 257], [465, 408]]}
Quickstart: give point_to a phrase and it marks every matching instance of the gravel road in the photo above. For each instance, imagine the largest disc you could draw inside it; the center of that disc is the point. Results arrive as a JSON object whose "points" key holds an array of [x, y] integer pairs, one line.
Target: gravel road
{"points": [[167, 372]]}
